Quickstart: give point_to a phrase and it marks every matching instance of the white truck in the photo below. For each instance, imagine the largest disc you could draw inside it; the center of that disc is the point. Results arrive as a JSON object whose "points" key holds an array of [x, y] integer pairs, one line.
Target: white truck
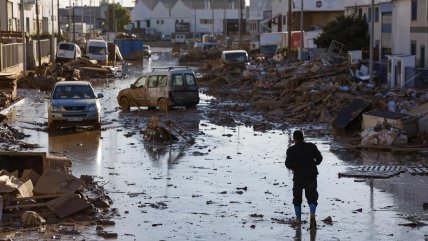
{"points": [[271, 42]]}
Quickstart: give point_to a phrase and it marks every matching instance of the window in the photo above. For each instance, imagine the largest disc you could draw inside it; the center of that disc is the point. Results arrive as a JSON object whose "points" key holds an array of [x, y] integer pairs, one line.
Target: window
{"points": [[206, 21], [157, 21], [414, 9], [422, 60], [376, 14], [148, 23], [162, 80], [141, 82], [360, 12], [162, 21], [176, 21], [413, 48], [177, 80], [153, 81], [190, 79]]}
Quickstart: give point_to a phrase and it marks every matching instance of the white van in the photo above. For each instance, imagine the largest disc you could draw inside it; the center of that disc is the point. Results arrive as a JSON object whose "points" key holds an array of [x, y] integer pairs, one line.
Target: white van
{"points": [[180, 38], [97, 49], [234, 56], [67, 51]]}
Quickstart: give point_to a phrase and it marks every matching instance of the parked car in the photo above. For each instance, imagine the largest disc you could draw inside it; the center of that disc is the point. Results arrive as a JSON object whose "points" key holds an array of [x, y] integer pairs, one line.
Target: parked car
{"points": [[67, 51], [97, 49], [180, 38], [234, 56], [73, 103], [163, 88], [166, 37], [147, 51]]}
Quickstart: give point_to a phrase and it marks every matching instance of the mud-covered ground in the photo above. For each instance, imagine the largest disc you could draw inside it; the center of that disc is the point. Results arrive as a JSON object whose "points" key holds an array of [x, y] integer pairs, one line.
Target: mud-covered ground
{"points": [[231, 184]]}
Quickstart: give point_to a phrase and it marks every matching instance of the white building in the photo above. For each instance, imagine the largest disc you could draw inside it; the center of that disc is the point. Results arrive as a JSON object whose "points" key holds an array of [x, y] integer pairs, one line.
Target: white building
{"points": [[200, 16], [401, 26], [317, 13], [259, 19], [10, 16]]}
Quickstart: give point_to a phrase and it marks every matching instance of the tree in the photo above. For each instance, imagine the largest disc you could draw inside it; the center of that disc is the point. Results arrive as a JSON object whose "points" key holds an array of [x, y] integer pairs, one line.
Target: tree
{"points": [[117, 15], [351, 31]]}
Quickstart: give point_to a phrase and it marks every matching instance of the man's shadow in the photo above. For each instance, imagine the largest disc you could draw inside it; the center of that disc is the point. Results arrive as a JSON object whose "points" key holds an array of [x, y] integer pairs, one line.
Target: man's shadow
{"points": [[298, 236]]}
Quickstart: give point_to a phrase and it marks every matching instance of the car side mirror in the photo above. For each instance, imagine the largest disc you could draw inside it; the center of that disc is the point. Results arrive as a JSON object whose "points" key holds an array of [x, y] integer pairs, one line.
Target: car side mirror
{"points": [[100, 95]]}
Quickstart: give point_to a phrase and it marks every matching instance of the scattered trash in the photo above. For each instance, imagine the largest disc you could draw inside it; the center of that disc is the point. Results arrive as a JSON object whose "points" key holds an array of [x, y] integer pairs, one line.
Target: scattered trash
{"points": [[373, 172]]}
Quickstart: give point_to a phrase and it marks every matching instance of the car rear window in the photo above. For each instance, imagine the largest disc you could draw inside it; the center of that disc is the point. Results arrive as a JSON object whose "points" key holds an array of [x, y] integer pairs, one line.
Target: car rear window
{"points": [[73, 92], [162, 80], [69, 47], [177, 80], [190, 79]]}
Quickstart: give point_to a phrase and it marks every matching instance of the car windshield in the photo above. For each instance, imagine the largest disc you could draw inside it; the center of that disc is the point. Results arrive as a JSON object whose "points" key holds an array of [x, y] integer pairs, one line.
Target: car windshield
{"points": [[73, 92], [69, 47], [236, 57], [97, 50], [268, 49]]}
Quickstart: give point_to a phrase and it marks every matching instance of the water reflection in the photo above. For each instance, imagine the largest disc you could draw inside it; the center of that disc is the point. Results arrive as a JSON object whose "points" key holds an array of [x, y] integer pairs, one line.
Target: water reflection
{"points": [[298, 235], [165, 154], [84, 148]]}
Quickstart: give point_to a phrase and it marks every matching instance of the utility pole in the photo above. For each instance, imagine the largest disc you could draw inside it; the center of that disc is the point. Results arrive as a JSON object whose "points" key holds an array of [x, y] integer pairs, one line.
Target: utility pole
{"points": [[74, 27], [289, 30], [371, 41], [39, 50], [24, 49], [69, 20], [58, 18], [241, 31], [81, 17], [53, 33], [302, 39]]}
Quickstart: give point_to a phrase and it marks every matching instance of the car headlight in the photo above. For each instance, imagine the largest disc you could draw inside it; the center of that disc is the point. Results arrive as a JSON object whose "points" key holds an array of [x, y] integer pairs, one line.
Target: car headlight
{"points": [[92, 108], [56, 108]]}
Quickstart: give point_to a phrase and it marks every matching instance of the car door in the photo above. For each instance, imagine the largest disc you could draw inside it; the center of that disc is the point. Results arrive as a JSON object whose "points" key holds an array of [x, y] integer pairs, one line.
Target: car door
{"points": [[162, 89], [152, 84], [140, 91]]}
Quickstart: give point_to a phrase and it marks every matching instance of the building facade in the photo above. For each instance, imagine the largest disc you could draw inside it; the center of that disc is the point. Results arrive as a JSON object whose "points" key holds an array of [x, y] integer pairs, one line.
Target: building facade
{"points": [[10, 16], [316, 13], [198, 16]]}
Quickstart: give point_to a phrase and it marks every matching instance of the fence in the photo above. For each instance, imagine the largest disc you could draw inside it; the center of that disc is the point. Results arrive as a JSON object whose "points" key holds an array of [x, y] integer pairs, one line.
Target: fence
{"points": [[10, 55]]}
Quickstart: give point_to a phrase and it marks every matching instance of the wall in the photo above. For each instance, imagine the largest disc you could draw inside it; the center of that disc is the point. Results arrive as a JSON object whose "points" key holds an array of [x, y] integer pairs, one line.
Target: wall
{"points": [[401, 26]]}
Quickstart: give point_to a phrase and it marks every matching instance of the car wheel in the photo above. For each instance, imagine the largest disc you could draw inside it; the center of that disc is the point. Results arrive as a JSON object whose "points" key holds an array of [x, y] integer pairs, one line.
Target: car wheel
{"points": [[163, 105], [191, 106], [124, 103], [53, 128], [97, 125]]}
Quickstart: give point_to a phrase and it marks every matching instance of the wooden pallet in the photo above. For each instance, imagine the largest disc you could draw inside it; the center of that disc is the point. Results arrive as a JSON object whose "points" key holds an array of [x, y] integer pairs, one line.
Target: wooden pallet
{"points": [[417, 170], [373, 172]]}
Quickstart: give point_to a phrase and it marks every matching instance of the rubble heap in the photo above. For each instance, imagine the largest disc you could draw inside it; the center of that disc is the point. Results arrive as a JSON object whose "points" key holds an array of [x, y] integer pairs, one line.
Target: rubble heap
{"points": [[7, 88], [196, 54], [34, 200]]}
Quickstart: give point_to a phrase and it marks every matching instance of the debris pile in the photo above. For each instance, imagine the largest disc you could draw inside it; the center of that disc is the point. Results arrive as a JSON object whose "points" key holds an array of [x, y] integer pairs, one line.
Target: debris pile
{"points": [[164, 132], [32, 200], [11, 137], [197, 54], [7, 88], [320, 91]]}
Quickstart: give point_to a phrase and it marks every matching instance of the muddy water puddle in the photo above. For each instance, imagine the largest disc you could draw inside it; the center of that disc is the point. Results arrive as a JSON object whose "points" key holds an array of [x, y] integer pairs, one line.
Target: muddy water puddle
{"points": [[230, 185]]}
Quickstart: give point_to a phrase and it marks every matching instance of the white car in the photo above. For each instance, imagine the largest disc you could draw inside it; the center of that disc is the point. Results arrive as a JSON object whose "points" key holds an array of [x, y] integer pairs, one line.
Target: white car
{"points": [[73, 103], [67, 51]]}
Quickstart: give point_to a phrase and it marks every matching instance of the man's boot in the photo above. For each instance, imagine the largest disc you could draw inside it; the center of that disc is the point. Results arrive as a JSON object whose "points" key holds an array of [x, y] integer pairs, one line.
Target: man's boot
{"points": [[298, 211], [312, 208]]}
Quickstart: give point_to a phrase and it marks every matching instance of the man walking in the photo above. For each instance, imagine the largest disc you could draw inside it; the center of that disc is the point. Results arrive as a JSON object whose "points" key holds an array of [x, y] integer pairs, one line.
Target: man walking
{"points": [[302, 159]]}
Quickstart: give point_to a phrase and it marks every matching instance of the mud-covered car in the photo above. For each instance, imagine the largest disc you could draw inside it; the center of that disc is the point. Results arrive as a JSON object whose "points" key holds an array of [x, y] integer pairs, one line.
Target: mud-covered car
{"points": [[73, 103], [163, 88], [147, 51]]}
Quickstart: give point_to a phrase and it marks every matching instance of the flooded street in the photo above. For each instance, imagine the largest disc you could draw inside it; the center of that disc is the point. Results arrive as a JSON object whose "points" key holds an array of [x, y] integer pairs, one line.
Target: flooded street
{"points": [[230, 185]]}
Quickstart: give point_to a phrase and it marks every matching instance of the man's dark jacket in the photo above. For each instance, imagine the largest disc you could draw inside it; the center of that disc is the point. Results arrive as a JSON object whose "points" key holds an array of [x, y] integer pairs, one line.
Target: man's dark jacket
{"points": [[303, 158]]}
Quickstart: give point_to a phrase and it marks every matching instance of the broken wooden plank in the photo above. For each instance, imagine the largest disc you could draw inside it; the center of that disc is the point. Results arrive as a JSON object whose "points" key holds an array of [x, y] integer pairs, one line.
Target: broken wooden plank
{"points": [[54, 182]]}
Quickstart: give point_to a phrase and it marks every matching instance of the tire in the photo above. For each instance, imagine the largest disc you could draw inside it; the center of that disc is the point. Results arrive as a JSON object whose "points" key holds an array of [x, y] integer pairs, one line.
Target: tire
{"points": [[163, 105], [191, 106], [97, 125], [53, 129], [124, 104]]}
